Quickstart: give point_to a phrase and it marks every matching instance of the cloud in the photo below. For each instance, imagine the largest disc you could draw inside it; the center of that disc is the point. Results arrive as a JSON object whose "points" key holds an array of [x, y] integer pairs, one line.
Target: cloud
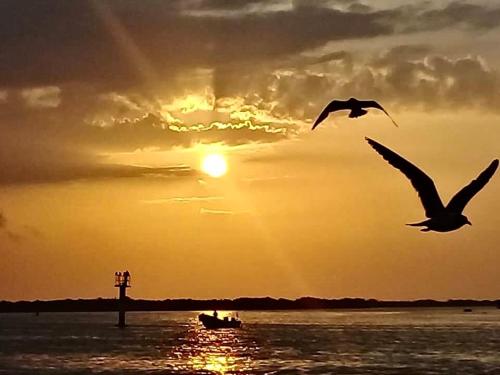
{"points": [[14, 236], [81, 79], [414, 77], [215, 212], [126, 43], [239, 6], [67, 143], [42, 97], [3, 220], [463, 14], [59, 166], [115, 45], [400, 54], [127, 121], [3, 228], [409, 76], [266, 180], [190, 199]]}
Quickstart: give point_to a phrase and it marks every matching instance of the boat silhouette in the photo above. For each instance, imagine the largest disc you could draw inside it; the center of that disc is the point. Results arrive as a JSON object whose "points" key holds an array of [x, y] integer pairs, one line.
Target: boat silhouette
{"points": [[213, 322]]}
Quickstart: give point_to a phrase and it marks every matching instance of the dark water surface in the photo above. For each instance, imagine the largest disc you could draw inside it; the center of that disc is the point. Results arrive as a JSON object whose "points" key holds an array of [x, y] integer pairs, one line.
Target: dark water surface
{"points": [[412, 341]]}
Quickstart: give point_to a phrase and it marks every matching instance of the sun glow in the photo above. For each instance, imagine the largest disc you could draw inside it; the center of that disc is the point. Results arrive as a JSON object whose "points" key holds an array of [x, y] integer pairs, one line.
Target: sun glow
{"points": [[214, 165]]}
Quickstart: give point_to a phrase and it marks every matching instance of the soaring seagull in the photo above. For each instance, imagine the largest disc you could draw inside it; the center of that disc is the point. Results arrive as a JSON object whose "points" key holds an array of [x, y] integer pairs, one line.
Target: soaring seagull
{"points": [[354, 105], [441, 218]]}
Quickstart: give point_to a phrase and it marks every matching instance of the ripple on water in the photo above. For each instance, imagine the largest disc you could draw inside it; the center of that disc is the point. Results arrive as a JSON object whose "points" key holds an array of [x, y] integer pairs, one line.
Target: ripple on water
{"points": [[410, 341]]}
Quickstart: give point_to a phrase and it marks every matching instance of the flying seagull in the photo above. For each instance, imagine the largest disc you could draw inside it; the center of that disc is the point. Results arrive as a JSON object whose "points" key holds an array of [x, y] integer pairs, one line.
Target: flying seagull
{"points": [[354, 105], [441, 218]]}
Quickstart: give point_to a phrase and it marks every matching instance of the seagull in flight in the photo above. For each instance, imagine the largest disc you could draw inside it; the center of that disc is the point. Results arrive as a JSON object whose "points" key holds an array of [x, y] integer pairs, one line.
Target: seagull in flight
{"points": [[354, 105], [441, 218]]}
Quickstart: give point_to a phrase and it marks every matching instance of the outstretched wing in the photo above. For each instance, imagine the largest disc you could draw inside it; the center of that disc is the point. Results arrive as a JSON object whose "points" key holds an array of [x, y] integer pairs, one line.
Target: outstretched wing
{"points": [[335, 105], [374, 104], [422, 183], [460, 200]]}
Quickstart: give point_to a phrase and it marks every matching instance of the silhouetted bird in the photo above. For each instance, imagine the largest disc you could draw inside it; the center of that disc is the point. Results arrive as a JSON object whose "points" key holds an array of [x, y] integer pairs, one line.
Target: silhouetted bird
{"points": [[354, 105], [441, 218]]}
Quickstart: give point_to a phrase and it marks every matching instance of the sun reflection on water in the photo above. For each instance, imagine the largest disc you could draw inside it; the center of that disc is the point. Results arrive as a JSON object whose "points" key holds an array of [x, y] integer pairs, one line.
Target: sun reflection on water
{"points": [[221, 351]]}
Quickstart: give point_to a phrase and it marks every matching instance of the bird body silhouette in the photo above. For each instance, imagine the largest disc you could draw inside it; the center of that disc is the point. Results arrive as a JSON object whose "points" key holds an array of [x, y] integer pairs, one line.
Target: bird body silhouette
{"points": [[354, 105], [440, 218]]}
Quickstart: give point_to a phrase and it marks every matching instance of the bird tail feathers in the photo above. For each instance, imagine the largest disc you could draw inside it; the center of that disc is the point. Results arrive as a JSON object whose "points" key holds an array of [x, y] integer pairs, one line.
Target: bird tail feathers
{"points": [[421, 224]]}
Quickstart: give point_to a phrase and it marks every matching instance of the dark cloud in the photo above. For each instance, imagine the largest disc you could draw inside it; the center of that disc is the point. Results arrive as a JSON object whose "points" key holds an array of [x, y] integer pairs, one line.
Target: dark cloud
{"points": [[3, 229], [57, 156], [413, 76], [15, 236], [456, 13], [410, 76], [400, 54], [230, 4], [119, 44], [3, 220], [329, 57], [67, 172]]}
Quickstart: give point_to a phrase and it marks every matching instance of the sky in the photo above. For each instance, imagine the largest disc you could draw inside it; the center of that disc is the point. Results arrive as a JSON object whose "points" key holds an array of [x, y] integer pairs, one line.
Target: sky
{"points": [[108, 109]]}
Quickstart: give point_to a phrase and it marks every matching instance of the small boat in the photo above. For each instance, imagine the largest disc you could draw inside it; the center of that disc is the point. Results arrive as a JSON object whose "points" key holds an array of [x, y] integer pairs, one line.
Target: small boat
{"points": [[467, 310], [213, 322]]}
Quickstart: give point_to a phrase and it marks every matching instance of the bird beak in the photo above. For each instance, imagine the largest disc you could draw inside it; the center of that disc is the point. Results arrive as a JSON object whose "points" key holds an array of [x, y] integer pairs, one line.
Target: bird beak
{"points": [[468, 222]]}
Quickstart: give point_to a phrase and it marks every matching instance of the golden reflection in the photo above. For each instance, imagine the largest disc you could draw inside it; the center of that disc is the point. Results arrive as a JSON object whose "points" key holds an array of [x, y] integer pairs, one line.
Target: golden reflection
{"points": [[219, 364], [221, 351]]}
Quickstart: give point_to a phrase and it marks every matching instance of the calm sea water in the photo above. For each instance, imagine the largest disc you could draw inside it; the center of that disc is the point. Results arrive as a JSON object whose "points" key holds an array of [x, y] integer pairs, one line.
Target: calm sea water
{"points": [[413, 341]]}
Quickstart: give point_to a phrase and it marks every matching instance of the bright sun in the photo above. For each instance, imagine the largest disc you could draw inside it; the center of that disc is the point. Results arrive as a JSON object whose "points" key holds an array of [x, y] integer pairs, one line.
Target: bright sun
{"points": [[214, 165]]}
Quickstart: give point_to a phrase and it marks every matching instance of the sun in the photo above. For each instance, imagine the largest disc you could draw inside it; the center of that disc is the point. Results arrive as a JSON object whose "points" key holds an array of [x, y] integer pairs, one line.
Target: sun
{"points": [[214, 165]]}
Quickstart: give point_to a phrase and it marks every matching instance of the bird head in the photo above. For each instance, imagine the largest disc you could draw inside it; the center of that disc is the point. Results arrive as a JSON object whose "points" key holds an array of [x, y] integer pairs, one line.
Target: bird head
{"points": [[465, 220]]}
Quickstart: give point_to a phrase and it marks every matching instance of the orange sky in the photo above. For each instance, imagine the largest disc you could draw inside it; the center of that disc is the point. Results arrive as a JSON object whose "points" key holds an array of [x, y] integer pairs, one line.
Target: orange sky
{"points": [[100, 164]]}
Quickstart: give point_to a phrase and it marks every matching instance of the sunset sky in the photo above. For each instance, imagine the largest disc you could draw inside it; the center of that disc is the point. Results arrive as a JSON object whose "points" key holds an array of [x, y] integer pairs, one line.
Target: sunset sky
{"points": [[109, 108]]}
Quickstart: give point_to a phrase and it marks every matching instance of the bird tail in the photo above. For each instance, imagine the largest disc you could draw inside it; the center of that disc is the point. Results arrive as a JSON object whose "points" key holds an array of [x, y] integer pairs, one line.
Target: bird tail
{"points": [[421, 224]]}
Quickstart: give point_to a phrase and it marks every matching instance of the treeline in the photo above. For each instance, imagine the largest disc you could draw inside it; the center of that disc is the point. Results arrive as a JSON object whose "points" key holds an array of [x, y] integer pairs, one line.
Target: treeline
{"points": [[266, 303]]}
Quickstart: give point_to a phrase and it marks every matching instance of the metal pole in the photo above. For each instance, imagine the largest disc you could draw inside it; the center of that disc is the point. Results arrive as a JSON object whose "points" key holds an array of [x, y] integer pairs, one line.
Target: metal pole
{"points": [[122, 281], [121, 305]]}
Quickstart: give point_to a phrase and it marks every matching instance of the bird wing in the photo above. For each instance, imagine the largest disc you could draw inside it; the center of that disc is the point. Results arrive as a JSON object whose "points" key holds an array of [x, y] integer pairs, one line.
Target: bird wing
{"points": [[335, 105], [422, 183], [374, 104], [460, 200]]}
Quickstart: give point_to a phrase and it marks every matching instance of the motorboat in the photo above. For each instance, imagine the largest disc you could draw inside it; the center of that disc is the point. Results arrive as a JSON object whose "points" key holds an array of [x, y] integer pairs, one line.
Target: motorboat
{"points": [[213, 322]]}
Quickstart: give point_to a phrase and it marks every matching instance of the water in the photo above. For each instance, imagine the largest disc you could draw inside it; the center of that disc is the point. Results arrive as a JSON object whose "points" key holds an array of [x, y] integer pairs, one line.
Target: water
{"points": [[412, 341]]}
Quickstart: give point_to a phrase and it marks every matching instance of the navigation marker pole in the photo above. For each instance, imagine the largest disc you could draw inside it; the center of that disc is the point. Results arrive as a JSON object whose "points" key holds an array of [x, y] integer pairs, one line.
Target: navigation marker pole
{"points": [[122, 281]]}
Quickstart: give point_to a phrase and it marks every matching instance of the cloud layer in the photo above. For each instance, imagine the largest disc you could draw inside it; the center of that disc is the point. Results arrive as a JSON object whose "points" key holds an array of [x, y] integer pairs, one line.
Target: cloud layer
{"points": [[120, 44], [83, 78]]}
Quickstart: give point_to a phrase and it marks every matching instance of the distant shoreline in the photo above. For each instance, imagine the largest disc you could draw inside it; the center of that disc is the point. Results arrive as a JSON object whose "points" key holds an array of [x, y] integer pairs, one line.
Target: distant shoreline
{"points": [[266, 303]]}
